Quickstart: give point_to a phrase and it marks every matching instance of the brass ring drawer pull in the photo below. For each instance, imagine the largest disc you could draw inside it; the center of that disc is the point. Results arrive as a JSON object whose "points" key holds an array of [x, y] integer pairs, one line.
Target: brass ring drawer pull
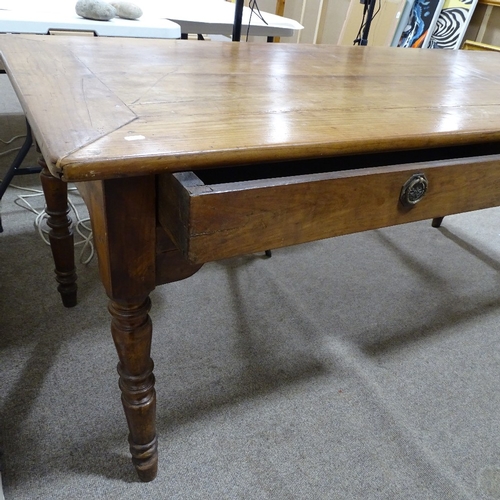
{"points": [[413, 190]]}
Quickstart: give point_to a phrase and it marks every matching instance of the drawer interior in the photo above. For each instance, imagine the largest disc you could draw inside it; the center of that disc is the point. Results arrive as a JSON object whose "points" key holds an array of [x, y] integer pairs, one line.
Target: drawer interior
{"points": [[243, 173]]}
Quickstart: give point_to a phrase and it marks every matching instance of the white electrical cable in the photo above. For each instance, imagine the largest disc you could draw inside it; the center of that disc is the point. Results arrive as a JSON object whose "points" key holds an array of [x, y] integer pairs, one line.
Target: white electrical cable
{"points": [[13, 139], [81, 224], [3, 153]]}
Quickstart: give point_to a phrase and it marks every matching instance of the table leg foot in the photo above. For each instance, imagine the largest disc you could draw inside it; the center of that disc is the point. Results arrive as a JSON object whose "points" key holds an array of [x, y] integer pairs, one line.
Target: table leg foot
{"points": [[132, 332], [145, 460], [436, 222], [60, 234]]}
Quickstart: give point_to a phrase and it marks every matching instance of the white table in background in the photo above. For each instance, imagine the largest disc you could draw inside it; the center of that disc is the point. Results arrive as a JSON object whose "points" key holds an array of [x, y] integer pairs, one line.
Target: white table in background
{"points": [[216, 17], [160, 19], [26, 16]]}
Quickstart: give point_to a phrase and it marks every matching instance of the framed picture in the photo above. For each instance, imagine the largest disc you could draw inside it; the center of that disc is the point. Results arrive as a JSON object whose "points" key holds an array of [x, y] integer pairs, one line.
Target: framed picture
{"points": [[451, 24], [402, 22], [421, 23]]}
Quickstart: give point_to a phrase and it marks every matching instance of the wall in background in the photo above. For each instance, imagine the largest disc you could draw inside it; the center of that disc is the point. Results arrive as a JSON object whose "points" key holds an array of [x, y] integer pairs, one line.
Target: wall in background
{"points": [[492, 34], [333, 14]]}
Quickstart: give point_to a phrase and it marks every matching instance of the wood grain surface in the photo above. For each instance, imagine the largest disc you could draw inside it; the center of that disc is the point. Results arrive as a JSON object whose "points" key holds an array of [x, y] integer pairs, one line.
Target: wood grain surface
{"points": [[106, 107]]}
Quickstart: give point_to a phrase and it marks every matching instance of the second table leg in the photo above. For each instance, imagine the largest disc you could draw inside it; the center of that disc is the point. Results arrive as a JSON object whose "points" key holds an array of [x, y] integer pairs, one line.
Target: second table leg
{"points": [[60, 234]]}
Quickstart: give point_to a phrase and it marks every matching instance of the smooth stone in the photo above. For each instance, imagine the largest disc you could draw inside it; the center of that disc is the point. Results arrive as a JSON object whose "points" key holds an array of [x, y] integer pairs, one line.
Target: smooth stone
{"points": [[97, 10], [127, 10]]}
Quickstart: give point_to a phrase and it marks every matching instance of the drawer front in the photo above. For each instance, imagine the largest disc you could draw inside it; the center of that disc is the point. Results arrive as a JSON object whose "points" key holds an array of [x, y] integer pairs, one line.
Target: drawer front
{"points": [[210, 222]]}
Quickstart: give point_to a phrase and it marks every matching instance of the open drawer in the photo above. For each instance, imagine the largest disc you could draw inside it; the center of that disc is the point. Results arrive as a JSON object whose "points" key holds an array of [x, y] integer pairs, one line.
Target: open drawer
{"points": [[219, 213]]}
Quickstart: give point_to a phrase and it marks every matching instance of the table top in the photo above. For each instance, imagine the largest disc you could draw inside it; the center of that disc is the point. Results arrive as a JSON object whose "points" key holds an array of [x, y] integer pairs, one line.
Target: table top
{"points": [[112, 107]]}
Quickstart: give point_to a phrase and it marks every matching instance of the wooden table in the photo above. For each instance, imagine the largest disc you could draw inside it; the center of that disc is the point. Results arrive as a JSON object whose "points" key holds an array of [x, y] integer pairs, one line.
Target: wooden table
{"points": [[189, 152]]}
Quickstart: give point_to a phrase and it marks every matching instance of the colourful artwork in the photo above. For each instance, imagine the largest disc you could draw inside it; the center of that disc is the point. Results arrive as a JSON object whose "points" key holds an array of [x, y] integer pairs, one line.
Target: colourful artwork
{"points": [[451, 24], [403, 21], [423, 17]]}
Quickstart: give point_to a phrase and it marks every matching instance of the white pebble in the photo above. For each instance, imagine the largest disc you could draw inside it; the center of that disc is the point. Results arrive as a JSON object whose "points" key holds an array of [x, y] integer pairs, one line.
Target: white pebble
{"points": [[127, 10], [95, 9]]}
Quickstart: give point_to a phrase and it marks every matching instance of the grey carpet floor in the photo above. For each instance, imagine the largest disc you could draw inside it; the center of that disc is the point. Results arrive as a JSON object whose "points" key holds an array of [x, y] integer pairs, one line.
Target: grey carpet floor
{"points": [[361, 367]]}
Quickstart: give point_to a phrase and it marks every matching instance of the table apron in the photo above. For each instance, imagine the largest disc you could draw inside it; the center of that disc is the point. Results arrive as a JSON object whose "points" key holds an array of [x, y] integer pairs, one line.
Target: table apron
{"points": [[210, 222]]}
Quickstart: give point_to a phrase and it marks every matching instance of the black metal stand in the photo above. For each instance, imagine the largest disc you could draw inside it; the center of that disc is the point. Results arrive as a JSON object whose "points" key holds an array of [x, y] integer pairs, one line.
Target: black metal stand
{"points": [[238, 14], [369, 17], [15, 168]]}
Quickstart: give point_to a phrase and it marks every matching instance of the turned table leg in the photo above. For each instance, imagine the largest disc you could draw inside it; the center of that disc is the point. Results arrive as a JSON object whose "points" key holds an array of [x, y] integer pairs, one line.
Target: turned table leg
{"points": [[132, 332], [60, 234], [123, 214]]}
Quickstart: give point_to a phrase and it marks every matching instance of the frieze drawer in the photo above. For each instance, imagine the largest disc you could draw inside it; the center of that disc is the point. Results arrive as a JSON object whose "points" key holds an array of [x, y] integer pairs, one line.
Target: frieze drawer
{"points": [[216, 214]]}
